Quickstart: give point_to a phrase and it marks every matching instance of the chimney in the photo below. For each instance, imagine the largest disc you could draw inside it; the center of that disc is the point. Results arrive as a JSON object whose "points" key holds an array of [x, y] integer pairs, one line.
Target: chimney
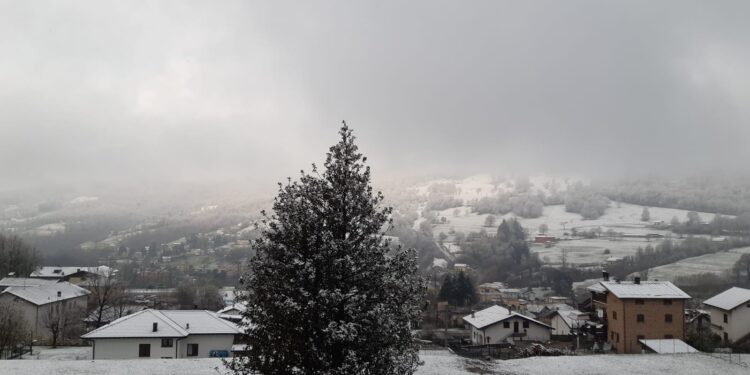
{"points": [[155, 327], [637, 280], [59, 294], [187, 325], [605, 275]]}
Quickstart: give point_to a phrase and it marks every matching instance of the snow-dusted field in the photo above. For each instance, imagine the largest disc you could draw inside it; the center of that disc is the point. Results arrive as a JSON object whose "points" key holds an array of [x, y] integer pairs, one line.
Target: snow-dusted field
{"points": [[435, 363], [718, 263], [625, 218]]}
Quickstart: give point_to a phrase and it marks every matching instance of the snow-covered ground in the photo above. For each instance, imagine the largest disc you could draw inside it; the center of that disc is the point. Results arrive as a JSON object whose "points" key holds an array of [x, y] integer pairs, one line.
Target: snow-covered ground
{"points": [[435, 362], [717, 263], [624, 218]]}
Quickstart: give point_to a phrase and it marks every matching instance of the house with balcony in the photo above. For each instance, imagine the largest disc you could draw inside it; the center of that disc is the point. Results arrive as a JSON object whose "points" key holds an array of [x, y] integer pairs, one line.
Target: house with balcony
{"points": [[497, 325], [730, 314], [639, 310]]}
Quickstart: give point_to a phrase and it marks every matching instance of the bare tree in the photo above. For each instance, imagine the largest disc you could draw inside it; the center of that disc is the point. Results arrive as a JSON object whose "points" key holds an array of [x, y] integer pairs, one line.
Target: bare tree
{"points": [[62, 321], [13, 329], [106, 293]]}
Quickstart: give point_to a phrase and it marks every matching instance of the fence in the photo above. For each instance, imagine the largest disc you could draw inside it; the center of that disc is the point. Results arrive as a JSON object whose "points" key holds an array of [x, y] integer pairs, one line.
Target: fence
{"points": [[733, 358]]}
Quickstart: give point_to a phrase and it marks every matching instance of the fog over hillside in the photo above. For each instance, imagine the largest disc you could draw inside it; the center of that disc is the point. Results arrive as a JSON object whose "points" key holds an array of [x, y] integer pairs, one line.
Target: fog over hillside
{"points": [[166, 95]]}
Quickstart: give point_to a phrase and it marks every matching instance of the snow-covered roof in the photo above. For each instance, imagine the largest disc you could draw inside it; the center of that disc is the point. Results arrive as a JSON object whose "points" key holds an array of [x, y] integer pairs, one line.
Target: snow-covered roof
{"points": [[495, 314], [645, 289], [573, 318], [59, 272], [201, 322], [729, 299], [47, 293], [598, 288], [239, 307], [668, 346], [170, 323], [24, 281]]}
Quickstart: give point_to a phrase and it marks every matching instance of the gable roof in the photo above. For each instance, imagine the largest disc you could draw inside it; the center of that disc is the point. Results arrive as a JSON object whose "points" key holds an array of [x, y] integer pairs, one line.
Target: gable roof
{"points": [[24, 281], [572, 318], [729, 299], [239, 306], [170, 323], [43, 294], [495, 314], [644, 290], [59, 272]]}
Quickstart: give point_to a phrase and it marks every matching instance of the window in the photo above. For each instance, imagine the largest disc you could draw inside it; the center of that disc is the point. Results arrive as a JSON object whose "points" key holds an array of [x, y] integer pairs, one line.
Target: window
{"points": [[726, 318], [144, 350], [166, 343], [667, 301], [668, 318], [668, 336], [192, 350], [639, 302], [614, 315], [506, 324], [640, 318], [617, 337], [488, 339], [525, 324]]}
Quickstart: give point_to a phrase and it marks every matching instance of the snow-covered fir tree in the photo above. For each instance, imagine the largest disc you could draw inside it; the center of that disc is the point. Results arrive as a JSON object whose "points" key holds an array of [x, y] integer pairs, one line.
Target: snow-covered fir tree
{"points": [[326, 292]]}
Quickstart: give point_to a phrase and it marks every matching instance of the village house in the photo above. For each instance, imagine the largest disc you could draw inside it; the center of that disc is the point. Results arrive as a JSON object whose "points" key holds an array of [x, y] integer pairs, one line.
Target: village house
{"points": [[566, 321], [73, 275], [495, 325], [164, 334], [636, 310], [43, 302], [730, 314]]}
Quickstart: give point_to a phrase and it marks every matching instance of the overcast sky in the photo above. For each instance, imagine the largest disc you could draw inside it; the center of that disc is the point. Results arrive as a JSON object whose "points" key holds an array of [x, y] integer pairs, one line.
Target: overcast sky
{"points": [[250, 91]]}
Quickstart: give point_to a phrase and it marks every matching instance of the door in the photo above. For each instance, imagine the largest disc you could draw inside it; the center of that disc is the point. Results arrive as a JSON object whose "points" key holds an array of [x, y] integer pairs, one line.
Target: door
{"points": [[515, 327]]}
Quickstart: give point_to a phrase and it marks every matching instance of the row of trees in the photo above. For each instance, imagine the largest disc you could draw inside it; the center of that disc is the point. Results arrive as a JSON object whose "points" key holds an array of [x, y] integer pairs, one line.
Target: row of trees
{"points": [[585, 201], [526, 204], [16, 256], [503, 257], [458, 290], [723, 194], [668, 252]]}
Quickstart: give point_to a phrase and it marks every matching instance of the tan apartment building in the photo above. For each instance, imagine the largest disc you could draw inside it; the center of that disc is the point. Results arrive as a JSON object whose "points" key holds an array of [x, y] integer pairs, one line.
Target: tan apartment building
{"points": [[639, 310]]}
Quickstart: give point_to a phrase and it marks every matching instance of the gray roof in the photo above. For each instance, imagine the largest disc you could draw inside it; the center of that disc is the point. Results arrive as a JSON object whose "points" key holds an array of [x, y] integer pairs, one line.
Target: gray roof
{"points": [[170, 323], [644, 290], [24, 281], [495, 314], [729, 299], [47, 293]]}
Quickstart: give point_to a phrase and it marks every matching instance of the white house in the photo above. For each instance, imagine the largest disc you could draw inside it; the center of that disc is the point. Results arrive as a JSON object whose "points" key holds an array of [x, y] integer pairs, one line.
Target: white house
{"points": [[565, 320], [42, 301], [730, 313], [233, 313], [164, 334], [496, 324]]}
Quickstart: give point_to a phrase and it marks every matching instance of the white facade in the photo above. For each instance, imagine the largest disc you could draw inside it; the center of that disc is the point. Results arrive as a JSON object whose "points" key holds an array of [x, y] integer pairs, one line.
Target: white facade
{"points": [[559, 325], [518, 328], [36, 315], [128, 348], [164, 334], [737, 324], [730, 313]]}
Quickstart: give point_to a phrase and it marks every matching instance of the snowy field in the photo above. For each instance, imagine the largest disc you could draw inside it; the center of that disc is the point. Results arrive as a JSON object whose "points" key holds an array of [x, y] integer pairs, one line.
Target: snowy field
{"points": [[434, 363], [625, 218], [717, 263]]}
